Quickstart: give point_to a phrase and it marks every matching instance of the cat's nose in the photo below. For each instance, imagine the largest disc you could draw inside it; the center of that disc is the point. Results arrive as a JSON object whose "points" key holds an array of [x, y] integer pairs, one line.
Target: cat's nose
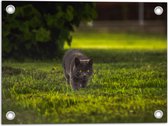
{"points": [[84, 75]]}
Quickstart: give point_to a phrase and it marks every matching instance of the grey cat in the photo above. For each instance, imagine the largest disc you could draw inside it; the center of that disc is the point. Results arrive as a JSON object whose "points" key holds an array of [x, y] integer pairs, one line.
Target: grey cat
{"points": [[77, 68]]}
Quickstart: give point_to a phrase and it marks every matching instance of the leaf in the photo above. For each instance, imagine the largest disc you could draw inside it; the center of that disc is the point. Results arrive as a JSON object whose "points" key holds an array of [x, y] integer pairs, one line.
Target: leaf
{"points": [[69, 40], [42, 35], [69, 13]]}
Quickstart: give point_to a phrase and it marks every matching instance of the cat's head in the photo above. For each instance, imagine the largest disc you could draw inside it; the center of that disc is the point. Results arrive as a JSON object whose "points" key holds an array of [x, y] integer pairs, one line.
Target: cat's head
{"points": [[83, 68]]}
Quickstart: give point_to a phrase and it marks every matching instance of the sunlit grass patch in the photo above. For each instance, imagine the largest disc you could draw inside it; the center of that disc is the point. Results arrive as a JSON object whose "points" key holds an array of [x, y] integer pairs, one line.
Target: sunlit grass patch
{"points": [[117, 41]]}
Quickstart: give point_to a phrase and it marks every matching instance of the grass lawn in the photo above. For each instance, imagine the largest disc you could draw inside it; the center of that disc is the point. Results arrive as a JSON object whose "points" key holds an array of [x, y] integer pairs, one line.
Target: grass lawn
{"points": [[128, 85]]}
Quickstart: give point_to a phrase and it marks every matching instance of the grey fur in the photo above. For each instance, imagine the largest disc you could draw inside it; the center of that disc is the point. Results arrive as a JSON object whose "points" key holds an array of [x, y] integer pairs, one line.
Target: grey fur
{"points": [[77, 68]]}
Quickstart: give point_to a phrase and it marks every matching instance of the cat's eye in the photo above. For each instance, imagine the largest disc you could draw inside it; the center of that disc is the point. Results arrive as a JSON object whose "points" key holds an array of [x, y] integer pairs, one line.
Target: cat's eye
{"points": [[88, 70]]}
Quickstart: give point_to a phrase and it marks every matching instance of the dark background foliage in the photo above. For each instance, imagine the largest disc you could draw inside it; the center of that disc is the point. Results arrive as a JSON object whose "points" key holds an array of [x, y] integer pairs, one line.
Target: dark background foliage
{"points": [[40, 29]]}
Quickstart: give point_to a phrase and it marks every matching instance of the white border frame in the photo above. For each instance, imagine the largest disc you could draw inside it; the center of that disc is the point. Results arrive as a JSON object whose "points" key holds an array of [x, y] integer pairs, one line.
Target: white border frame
{"points": [[119, 124]]}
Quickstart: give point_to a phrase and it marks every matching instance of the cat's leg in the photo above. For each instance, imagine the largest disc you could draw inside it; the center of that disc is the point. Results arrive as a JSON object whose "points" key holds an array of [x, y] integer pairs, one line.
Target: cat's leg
{"points": [[66, 77], [83, 84], [74, 84]]}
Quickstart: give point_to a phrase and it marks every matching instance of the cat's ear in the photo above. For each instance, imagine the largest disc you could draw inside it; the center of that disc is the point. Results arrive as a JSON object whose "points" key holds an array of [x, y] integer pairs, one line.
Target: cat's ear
{"points": [[90, 62], [77, 61]]}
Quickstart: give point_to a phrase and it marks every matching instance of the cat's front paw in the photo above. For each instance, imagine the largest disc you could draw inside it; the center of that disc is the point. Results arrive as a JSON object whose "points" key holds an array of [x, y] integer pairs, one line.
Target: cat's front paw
{"points": [[83, 86], [75, 88]]}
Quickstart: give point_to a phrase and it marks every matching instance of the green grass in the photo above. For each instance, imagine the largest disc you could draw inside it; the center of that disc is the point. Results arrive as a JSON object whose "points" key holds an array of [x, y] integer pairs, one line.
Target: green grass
{"points": [[128, 84]]}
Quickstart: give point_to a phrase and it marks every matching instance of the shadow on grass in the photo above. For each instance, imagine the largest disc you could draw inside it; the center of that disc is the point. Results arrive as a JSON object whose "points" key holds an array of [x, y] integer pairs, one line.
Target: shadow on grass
{"points": [[107, 56], [6, 70], [116, 55]]}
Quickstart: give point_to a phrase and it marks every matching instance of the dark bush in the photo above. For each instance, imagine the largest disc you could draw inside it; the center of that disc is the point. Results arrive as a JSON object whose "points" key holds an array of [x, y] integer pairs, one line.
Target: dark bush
{"points": [[40, 29]]}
